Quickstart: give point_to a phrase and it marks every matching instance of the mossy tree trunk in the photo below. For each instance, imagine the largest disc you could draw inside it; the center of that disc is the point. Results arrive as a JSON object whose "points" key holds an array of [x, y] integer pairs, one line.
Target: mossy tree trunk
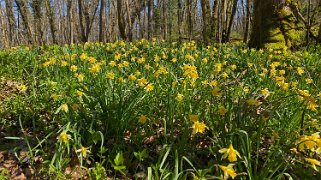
{"points": [[274, 25], [319, 36]]}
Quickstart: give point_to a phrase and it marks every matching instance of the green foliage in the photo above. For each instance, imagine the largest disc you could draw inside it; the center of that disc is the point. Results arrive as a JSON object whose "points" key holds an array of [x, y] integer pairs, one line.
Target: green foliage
{"points": [[161, 110]]}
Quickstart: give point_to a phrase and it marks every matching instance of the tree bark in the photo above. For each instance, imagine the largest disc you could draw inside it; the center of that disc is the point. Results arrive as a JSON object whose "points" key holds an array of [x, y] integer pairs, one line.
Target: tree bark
{"points": [[121, 23], [70, 21], [129, 21], [164, 5], [85, 20], [274, 30], [101, 20], [149, 14], [247, 20], [179, 20], [23, 10], [215, 17], [229, 30], [206, 14], [319, 34], [50, 15], [190, 21], [3, 34], [37, 17], [11, 21], [223, 20]]}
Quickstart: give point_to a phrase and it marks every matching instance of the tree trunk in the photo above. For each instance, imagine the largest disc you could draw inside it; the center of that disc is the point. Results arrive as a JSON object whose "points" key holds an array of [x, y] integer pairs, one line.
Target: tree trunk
{"points": [[150, 6], [3, 35], [275, 29], [229, 30], [50, 15], [319, 36], [179, 20], [223, 20], [190, 22], [11, 21], [121, 23], [309, 23], [70, 21], [130, 33], [215, 17], [247, 20], [37, 15], [145, 24], [101, 20], [164, 19], [23, 10], [81, 20], [206, 14]]}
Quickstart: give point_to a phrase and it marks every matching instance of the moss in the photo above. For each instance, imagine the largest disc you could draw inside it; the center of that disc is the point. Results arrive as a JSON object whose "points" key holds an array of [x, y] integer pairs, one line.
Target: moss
{"points": [[277, 30]]}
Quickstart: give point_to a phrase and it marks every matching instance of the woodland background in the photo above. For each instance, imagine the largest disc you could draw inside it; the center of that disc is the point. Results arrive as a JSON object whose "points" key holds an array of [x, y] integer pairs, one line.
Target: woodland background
{"points": [[39, 22]]}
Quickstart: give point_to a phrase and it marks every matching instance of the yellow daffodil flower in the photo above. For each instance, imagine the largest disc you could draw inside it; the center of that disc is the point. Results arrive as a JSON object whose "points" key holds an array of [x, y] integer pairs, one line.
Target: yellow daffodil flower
{"points": [[228, 171], [230, 153]]}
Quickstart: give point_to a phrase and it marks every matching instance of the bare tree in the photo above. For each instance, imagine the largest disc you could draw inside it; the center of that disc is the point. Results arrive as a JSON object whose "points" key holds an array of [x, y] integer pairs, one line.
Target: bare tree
{"points": [[229, 30], [11, 21], [85, 20], [101, 20], [70, 18], [37, 15], [23, 10], [179, 20], [121, 22], [215, 17], [149, 15], [3, 36], [247, 20], [190, 22], [165, 28]]}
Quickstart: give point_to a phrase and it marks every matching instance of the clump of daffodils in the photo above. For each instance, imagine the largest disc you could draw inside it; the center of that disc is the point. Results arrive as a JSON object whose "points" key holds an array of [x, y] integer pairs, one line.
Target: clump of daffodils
{"points": [[306, 144]]}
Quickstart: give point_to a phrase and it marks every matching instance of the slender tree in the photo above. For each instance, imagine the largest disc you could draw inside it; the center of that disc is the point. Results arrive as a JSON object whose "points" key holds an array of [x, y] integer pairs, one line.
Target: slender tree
{"points": [[23, 10], [215, 17], [37, 18], [247, 20], [101, 20], [319, 36], [190, 21], [229, 30], [149, 15], [11, 21], [3, 36], [179, 20]]}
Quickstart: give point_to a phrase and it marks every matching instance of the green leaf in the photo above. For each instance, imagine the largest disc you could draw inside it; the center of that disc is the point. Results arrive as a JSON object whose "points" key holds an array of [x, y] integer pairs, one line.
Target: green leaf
{"points": [[118, 168], [119, 159]]}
